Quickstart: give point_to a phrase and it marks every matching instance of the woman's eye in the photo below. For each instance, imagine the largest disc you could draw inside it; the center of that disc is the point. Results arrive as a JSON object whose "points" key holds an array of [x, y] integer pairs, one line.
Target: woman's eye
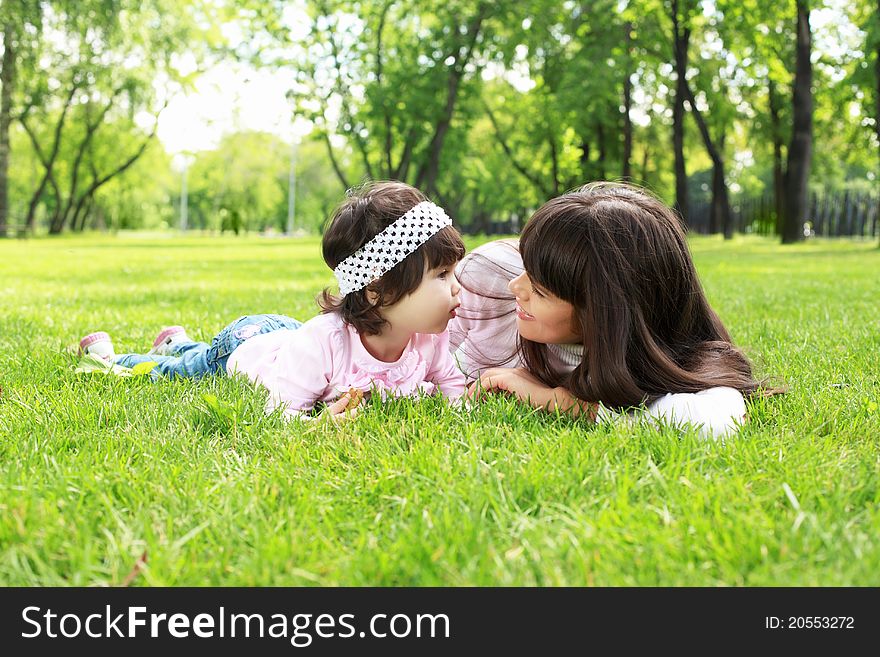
{"points": [[535, 292]]}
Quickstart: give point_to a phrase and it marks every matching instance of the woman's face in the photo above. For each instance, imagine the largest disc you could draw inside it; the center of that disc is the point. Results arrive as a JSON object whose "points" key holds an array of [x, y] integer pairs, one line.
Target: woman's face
{"points": [[541, 316]]}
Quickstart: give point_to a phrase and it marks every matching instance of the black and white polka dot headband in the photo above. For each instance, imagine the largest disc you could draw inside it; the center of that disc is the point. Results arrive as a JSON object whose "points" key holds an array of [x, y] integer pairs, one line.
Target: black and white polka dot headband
{"points": [[389, 248]]}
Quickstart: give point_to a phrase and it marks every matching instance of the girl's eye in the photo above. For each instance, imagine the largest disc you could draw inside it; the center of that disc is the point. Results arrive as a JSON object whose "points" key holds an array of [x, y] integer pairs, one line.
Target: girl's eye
{"points": [[443, 273]]}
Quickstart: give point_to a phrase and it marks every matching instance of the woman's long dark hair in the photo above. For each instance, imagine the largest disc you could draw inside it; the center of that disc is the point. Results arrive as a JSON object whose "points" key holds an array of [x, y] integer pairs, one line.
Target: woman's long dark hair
{"points": [[620, 257]]}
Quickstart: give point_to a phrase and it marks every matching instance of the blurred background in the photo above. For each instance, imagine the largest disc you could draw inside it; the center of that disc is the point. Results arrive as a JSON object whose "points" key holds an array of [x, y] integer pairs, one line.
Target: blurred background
{"points": [[214, 116]]}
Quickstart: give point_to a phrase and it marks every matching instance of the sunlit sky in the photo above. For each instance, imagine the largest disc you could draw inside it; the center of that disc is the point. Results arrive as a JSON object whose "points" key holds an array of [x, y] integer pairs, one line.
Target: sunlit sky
{"points": [[230, 97], [226, 99]]}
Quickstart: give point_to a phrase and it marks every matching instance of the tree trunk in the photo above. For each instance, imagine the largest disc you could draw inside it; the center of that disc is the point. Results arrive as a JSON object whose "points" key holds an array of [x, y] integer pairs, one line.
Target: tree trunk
{"points": [[585, 160], [30, 224], [720, 216], [7, 80], [48, 163], [402, 169], [800, 151], [877, 96], [681, 41], [778, 171], [554, 164], [56, 223], [627, 106], [99, 182], [428, 173], [427, 178], [600, 139], [379, 82], [336, 168]]}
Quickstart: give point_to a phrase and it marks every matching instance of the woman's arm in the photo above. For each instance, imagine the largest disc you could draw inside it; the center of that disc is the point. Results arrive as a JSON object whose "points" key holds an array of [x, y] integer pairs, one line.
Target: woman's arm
{"points": [[530, 390], [717, 412]]}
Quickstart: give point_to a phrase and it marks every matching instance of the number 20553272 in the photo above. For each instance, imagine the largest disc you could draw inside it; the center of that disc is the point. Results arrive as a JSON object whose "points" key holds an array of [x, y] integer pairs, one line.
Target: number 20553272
{"points": [[809, 622]]}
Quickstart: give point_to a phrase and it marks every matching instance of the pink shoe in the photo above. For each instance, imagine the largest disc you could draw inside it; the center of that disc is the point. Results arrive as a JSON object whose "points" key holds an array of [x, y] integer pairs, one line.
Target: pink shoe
{"points": [[167, 339], [97, 344]]}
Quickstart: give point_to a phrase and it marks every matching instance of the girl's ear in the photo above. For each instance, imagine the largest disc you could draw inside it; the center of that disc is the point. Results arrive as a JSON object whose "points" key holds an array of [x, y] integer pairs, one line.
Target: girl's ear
{"points": [[372, 296]]}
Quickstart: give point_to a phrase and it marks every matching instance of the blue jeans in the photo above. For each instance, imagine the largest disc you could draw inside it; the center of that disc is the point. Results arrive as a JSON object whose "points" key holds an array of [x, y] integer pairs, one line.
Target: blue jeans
{"points": [[196, 359]]}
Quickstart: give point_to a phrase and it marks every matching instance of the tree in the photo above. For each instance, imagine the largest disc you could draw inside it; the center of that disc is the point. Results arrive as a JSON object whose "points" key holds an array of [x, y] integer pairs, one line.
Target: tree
{"points": [[800, 149], [864, 80], [100, 69], [20, 23], [681, 37], [7, 78], [544, 95], [390, 78], [684, 14]]}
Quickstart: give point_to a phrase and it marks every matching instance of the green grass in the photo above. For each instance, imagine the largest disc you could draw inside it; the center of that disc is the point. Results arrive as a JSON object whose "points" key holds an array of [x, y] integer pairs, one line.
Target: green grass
{"points": [[95, 470]]}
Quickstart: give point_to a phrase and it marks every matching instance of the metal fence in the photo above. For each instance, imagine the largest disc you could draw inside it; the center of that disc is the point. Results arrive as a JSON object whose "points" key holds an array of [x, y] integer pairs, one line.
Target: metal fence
{"points": [[839, 214]]}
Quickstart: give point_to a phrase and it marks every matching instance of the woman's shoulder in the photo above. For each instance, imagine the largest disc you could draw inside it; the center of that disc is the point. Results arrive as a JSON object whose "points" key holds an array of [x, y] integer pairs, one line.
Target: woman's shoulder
{"points": [[504, 251], [502, 245], [487, 269]]}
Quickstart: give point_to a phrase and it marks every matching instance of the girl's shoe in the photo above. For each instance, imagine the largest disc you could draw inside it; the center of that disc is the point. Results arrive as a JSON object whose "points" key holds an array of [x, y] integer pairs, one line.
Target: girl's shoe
{"points": [[168, 339], [97, 344]]}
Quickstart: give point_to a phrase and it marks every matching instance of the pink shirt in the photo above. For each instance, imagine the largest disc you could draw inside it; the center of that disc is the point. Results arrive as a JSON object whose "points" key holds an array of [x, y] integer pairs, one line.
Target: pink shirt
{"points": [[325, 357]]}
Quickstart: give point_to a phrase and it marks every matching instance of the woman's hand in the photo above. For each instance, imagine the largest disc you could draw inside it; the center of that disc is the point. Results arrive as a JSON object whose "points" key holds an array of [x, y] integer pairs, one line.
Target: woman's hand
{"points": [[530, 390], [516, 381]]}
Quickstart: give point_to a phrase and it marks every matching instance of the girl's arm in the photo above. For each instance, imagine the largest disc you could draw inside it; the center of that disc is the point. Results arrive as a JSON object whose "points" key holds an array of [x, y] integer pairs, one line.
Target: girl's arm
{"points": [[444, 372], [296, 368], [528, 389]]}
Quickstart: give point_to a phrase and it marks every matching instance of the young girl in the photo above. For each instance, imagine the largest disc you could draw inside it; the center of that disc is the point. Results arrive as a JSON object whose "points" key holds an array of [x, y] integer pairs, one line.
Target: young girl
{"points": [[393, 253], [596, 310]]}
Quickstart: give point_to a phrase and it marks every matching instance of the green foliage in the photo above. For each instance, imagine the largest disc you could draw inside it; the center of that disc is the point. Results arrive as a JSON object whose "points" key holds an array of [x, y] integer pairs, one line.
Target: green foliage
{"points": [[490, 107], [241, 185], [92, 77]]}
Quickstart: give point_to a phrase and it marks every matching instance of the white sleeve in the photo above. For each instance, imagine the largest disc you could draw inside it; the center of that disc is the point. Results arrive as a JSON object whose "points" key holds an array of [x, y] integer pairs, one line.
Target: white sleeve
{"points": [[716, 411]]}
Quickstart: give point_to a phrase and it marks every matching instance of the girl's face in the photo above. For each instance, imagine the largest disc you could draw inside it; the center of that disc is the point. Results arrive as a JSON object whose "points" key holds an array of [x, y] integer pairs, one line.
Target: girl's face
{"points": [[542, 317], [429, 307]]}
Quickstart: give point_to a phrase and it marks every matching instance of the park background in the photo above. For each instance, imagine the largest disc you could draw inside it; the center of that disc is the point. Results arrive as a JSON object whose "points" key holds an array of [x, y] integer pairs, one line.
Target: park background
{"points": [[255, 115], [492, 108]]}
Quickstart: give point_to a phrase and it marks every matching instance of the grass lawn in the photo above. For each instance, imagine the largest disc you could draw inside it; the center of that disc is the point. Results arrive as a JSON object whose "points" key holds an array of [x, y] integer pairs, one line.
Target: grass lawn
{"points": [[96, 470]]}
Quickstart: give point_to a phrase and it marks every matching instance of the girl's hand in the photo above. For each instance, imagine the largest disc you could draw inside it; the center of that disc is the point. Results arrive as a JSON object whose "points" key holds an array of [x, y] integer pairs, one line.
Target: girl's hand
{"points": [[345, 408], [530, 390]]}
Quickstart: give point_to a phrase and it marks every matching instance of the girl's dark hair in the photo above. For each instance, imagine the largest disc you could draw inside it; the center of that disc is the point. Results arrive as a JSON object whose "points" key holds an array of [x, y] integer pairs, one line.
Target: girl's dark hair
{"points": [[365, 213], [620, 257]]}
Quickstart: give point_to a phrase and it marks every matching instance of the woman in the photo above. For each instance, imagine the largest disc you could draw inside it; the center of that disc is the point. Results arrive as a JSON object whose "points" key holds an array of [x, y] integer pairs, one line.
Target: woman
{"points": [[596, 310]]}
